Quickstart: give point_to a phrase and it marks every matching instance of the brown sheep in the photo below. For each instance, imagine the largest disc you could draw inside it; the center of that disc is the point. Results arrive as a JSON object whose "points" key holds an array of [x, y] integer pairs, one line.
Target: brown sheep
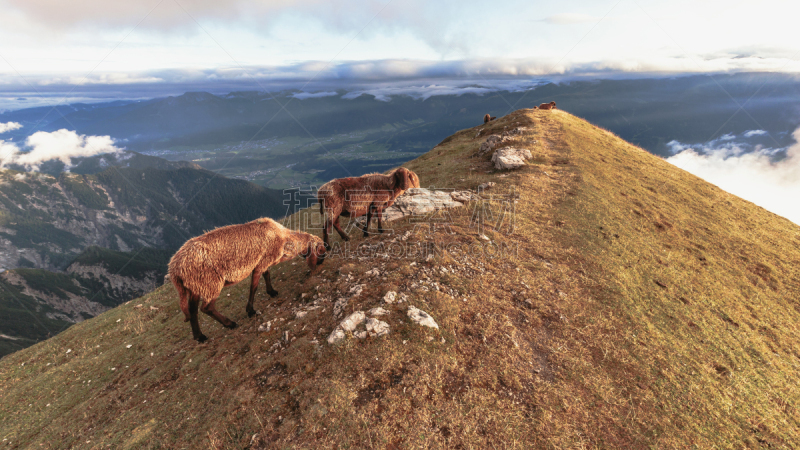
{"points": [[225, 256], [357, 196], [487, 118], [551, 105]]}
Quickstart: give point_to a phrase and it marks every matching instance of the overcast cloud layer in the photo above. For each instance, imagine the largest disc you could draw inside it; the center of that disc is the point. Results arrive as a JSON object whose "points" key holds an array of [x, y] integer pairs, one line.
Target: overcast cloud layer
{"points": [[753, 175], [49, 42]]}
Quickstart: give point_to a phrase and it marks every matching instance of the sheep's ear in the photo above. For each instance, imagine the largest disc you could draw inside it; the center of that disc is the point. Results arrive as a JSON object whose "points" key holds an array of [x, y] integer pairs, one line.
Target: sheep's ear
{"points": [[402, 178], [398, 179]]}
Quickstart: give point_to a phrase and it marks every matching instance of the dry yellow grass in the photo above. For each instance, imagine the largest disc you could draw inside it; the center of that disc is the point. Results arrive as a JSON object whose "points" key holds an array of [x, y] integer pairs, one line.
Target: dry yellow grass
{"points": [[644, 308]]}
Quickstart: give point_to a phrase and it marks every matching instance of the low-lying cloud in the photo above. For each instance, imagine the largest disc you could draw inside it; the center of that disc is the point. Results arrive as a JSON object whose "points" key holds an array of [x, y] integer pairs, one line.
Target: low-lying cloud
{"points": [[305, 95], [424, 92], [9, 126], [61, 145], [752, 133], [754, 175]]}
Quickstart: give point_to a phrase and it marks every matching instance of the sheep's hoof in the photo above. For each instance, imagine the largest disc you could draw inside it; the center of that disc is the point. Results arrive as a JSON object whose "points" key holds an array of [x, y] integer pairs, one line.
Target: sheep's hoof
{"points": [[380, 230], [272, 293], [251, 313], [231, 326], [200, 339]]}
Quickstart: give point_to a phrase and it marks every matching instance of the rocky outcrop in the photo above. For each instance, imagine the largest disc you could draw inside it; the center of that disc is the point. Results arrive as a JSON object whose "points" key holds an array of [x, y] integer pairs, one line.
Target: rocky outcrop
{"points": [[496, 141], [419, 202], [510, 158], [352, 324], [70, 221], [120, 286], [69, 306]]}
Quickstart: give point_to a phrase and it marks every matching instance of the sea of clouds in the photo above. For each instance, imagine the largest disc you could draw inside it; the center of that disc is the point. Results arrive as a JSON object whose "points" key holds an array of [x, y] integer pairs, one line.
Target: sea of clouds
{"points": [[768, 177]]}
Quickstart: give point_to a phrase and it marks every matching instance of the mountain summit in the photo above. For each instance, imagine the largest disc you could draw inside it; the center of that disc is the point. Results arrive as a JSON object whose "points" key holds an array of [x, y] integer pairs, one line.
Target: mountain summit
{"points": [[596, 297]]}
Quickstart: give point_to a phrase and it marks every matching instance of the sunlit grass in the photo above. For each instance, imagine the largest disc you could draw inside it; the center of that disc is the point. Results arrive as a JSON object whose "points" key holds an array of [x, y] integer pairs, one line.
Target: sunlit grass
{"points": [[645, 309]]}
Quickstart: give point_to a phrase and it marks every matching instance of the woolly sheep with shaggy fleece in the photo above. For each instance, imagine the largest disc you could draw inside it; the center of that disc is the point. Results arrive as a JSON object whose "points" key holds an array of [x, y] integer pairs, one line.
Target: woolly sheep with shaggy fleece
{"points": [[357, 196], [227, 255]]}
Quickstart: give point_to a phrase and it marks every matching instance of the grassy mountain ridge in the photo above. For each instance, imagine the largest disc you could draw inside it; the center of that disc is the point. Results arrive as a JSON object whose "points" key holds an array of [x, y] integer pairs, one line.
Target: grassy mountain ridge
{"points": [[634, 306]]}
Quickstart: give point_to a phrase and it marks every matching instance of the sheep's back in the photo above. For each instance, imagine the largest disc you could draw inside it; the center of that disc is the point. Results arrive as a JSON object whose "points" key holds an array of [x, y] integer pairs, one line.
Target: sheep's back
{"points": [[228, 253]]}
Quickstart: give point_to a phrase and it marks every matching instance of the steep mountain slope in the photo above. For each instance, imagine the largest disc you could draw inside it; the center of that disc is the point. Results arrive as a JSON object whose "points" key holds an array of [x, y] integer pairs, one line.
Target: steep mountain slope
{"points": [[109, 234], [36, 304], [46, 221], [630, 305]]}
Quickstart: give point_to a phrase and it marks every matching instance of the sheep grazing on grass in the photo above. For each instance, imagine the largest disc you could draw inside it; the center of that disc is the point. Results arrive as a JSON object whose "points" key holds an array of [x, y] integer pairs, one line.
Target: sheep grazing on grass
{"points": [[365, 195], [487, 118], [551, 105], [225, 256]]}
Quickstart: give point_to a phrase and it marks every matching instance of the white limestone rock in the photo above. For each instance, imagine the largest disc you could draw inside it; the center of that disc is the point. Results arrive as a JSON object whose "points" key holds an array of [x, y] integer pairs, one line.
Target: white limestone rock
{"points": [[420, 317], [462, 196], [336, 336], [419, 202], [352, 321], [378, 311], [510, 158], [355, 291], [489, 144], [339, 306], [390, 297], [377, 327]]}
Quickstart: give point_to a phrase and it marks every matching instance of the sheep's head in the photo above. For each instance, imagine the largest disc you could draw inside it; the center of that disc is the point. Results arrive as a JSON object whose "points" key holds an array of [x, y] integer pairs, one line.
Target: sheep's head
{"points": [[405, 179], [553, 105], [314, 251]]}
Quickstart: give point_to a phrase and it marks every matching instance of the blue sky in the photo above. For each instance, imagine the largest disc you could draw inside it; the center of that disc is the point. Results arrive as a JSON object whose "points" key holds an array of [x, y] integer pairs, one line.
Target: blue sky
{"points": [[52, 45]]}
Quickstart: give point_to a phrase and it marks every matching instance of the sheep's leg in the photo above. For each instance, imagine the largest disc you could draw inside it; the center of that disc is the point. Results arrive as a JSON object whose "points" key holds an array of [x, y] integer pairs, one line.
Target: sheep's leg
{"points": [[272, 292], [194, 302], [253, 287], [369, 219], [339, 230], [326, 230], [379, 213], [210, 309]]}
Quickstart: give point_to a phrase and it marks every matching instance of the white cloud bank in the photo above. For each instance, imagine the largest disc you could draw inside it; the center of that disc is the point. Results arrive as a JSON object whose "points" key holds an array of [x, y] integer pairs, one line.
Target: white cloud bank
{"points": [[10, 126], [754, 176], [62, 145]]}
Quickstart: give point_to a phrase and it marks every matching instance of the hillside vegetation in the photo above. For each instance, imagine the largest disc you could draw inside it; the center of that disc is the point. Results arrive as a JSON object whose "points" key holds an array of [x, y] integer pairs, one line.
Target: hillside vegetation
{"points": [[630, 305]]}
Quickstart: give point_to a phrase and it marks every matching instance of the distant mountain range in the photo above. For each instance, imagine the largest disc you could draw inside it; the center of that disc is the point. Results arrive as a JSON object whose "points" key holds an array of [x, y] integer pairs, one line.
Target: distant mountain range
{"points": [[647, 112]]}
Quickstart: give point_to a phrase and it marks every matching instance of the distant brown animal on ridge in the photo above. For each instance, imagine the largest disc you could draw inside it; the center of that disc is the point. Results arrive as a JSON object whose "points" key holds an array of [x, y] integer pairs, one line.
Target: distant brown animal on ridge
{"points": [[365, 195], [225, 256], [487, 118], [551, 105]]}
